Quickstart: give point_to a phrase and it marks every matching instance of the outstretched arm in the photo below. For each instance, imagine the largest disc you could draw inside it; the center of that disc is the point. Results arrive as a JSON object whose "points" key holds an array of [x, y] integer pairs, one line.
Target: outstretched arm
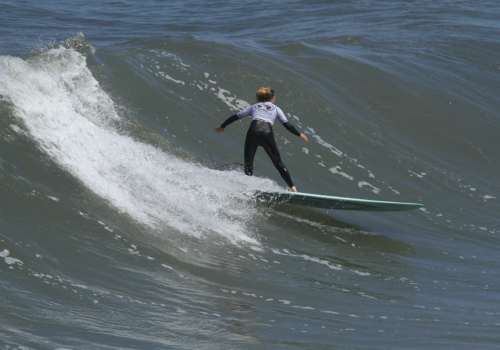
{"points": [[228, 121], [294, 131]]}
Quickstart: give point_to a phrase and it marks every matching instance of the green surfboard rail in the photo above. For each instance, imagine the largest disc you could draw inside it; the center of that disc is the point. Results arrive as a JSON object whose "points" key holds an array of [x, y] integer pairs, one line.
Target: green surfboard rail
{"points": [[337, 203]]}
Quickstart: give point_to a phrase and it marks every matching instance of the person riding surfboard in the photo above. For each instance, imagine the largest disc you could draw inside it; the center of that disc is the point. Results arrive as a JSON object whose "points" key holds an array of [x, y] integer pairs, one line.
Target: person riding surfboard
{"points": [[260, 133]]}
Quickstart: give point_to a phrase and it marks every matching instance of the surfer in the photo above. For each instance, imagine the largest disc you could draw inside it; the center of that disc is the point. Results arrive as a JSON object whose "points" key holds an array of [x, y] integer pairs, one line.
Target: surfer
{"points": [[260, 132]]}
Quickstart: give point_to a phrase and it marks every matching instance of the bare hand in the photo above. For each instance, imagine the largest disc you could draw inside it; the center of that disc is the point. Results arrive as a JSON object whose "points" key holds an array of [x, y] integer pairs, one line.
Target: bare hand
{"points": [[219, 129], [304, 137]]}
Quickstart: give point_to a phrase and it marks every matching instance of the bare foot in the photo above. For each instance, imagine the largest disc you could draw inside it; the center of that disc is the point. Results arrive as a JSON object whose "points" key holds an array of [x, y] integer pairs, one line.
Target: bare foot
{"points": [[293, 189]]}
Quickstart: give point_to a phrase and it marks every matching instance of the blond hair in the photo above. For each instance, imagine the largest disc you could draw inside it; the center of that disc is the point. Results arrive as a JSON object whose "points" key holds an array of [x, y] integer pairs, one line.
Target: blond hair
{"points": [[264, 94]]}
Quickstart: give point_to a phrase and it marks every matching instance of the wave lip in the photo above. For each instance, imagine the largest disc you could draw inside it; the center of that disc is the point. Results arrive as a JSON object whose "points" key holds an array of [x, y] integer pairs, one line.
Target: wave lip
{"points": [[64, 110]]}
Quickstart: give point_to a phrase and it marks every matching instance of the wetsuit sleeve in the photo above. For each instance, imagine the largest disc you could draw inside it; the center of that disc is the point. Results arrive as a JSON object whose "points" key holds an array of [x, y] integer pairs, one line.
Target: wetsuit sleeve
{"points": [[291, 128], [229, 120]]}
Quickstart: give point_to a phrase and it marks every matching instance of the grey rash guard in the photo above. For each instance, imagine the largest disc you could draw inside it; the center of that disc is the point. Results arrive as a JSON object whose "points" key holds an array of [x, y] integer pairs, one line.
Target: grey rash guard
{"points": [[265, 112]]}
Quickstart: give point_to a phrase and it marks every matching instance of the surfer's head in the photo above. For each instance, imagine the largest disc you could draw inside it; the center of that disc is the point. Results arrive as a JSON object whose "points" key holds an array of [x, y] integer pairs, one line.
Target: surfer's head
{"points": [[265, 94]]}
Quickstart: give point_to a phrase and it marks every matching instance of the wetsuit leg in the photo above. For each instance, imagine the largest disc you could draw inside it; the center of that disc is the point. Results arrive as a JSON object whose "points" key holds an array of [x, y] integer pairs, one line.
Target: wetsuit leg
{"points": [[255, 138], [251, 145], [261, 134], [273, 153]]}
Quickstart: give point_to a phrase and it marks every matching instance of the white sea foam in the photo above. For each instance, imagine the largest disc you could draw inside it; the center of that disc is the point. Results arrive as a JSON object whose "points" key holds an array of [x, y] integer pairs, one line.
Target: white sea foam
{"points": [[325, 144], [304, 307], [19, 130], [62, 107], [361, 273], [308, 258], [168, 77], [10, 261], [393, 190], [330, 312], [421, 175], [374, 189], [233, 102], [335, 170]]}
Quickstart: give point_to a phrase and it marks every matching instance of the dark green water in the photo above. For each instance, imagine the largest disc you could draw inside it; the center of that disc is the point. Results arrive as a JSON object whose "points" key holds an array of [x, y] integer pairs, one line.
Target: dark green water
{"points": [[115, 234]]}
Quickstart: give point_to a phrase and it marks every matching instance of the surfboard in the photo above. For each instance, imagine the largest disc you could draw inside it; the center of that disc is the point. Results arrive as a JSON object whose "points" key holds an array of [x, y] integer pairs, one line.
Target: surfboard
{"points": [[331, 202]]}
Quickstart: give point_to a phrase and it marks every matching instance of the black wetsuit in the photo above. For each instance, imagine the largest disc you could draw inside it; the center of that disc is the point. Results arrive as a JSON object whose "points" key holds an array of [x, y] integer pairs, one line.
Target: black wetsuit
{"points": [[260, 133]]}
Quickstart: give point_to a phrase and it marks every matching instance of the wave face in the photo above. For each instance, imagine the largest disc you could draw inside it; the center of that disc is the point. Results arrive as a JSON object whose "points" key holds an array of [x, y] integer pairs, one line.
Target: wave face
{"points": [[117, 233], [62, 108]]}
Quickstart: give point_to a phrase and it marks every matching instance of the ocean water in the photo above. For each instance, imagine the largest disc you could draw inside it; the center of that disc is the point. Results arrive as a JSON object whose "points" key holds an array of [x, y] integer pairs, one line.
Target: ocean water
{"points": [[115, 233]]}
